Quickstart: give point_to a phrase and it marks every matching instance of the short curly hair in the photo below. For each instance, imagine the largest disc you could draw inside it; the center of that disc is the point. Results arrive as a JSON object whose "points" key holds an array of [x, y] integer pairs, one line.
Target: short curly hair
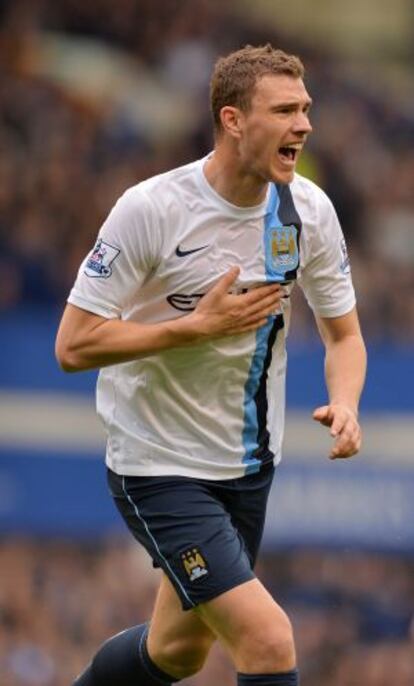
{"points": [[234, 77]]}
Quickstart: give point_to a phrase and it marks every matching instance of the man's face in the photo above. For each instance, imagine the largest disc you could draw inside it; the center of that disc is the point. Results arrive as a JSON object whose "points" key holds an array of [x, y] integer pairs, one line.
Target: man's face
{"points": [[275, 128]]}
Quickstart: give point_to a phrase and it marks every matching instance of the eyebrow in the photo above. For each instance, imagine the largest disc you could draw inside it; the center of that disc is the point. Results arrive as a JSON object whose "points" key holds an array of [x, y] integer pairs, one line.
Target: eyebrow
{"points": [[292, 104]]}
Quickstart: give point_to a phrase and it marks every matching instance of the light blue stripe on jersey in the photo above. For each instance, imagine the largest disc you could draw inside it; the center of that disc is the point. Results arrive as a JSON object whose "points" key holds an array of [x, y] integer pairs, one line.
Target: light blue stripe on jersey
{"points": [[251, 425]]}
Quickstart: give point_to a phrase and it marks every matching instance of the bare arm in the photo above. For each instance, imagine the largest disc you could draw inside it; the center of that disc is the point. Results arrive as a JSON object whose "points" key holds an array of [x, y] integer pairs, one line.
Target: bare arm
{"points": [[345, 368], [88, 341]]}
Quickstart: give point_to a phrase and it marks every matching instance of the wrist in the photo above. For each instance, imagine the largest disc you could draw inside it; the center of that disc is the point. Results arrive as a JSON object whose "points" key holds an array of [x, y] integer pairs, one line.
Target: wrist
{"points": [[351, 406], [183, 330]]}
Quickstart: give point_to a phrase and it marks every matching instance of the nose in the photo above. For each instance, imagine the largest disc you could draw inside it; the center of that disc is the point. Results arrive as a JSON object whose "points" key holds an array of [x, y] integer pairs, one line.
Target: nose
{"points": [[302, 123]]}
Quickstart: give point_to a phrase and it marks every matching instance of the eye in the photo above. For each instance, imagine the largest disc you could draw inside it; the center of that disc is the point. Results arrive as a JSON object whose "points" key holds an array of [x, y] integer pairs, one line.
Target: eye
{"points": [[283, 110]]}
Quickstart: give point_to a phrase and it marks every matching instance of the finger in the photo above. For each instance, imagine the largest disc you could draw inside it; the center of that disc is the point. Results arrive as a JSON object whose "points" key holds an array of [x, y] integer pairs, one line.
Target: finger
{"points": [[250, 325], [269, 306], [348, 443], [247, 327], [257, 294], [243, 315], [337, 454], [345, 436], [266, 305], [350, 432], [257, 320], [343, 449], [226, 281], [322, 415], [320, 412], [338, 424]]}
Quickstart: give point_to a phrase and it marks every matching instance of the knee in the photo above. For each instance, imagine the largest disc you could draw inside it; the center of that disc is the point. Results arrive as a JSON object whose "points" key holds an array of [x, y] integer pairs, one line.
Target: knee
{"points": [[277, 651], [268, 649], [181, 658]]}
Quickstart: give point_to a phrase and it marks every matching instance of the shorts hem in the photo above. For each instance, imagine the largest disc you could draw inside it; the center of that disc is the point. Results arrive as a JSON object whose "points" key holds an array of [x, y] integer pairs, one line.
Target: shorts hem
{"points": [[215, 594]]}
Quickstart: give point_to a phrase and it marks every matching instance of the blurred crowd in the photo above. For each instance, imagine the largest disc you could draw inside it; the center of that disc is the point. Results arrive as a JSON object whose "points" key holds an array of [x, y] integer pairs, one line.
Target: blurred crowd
{"points": [[66, 154], [353, 613], [65, 157]]}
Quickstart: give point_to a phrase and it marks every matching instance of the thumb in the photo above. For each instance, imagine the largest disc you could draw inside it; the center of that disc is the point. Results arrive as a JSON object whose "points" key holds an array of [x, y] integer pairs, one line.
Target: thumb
{"points": [[321, 413], [227, 280]]}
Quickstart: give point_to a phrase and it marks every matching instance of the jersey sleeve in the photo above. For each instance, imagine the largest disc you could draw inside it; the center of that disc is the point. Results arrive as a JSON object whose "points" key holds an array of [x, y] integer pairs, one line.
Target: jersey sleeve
{"points": [[325, 277], [125, 253]]}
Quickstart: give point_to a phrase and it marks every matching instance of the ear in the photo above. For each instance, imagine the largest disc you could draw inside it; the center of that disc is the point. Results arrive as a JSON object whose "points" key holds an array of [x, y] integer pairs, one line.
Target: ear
{"points": [[231, 120]]}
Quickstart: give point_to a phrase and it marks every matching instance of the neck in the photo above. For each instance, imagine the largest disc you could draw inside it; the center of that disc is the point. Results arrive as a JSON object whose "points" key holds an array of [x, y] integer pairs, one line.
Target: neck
{"points": [[226, 175]]}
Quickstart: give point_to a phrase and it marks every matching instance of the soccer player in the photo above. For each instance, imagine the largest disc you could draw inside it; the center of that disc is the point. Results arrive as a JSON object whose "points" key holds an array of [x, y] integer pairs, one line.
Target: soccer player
{"points": [[184, 304]]}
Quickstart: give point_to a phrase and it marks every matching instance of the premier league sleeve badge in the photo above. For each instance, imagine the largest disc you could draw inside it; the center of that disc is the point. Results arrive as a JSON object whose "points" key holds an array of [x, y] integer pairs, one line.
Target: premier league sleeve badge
{"points": [[100, 260]]}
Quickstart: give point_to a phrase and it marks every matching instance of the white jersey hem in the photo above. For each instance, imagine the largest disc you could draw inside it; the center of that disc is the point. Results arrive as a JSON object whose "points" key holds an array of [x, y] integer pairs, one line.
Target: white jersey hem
{"points": [[222, 473]]}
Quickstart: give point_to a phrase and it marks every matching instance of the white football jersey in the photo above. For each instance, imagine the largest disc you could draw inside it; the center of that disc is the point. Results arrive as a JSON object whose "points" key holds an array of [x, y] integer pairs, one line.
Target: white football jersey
{"points": [[215, 410]]}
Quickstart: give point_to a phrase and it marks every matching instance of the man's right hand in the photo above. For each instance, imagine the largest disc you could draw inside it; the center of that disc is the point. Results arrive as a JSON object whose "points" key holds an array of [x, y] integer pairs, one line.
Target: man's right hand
{"points": [[220, 313]]}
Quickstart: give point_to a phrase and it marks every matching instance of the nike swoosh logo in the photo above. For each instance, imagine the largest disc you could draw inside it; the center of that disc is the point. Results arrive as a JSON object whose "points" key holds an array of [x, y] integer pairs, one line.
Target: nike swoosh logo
{"points": [[184, 253]]}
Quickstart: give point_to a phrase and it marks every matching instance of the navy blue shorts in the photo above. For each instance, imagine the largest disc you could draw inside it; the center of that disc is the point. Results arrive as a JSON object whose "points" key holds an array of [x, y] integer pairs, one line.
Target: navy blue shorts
{"points": [[205, 535]]}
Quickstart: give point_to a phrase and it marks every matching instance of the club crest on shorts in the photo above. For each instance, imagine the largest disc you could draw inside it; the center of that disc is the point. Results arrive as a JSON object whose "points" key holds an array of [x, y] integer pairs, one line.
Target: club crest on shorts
{"points": [[100, 260], [194, 564], [282, 253]]}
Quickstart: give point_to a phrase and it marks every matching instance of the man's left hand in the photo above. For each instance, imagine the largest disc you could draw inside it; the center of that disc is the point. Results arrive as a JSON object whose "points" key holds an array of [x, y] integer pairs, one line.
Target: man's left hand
{"points": [[345, 429]]}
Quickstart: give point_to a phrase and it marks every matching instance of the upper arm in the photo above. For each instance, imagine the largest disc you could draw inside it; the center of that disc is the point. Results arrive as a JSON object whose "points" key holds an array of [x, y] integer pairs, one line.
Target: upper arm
{"points": [[325, 276], [75, 326], [335, 329], [126, 252]]}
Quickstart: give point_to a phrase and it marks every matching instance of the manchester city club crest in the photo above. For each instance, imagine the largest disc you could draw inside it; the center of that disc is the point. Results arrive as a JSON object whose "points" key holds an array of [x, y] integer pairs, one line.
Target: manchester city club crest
{"points": [[194, 564], [100, 260], [282, 254]]}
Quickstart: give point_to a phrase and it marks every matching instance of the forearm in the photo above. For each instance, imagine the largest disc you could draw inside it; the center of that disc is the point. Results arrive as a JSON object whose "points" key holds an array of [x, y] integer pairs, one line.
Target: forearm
{"points": [[87, 341], [114, 341], [345, 369]]}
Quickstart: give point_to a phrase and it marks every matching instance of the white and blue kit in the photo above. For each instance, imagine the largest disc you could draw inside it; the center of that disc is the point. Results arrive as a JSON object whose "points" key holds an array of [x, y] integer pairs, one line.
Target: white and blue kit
{"points": [[214, 411], [194, 433]]}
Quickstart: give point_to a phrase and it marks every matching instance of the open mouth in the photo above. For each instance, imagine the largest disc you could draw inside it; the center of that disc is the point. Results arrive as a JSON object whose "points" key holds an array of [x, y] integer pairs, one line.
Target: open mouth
{"points": [[288, 153]]}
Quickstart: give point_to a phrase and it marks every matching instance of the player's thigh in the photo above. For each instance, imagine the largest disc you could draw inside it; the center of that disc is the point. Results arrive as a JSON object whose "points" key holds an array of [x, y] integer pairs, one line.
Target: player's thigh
{"points": [[177, 636], [251, 626]]}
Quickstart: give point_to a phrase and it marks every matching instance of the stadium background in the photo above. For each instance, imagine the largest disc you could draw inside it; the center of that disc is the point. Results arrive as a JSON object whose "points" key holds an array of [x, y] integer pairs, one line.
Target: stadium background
{"points": [[94, 97]]}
